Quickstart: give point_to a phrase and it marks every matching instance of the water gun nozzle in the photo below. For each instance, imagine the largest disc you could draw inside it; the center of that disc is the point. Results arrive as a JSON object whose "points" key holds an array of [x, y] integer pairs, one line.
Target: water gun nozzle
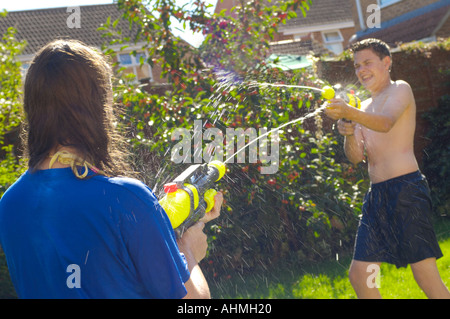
{"points": [[328, 92]]}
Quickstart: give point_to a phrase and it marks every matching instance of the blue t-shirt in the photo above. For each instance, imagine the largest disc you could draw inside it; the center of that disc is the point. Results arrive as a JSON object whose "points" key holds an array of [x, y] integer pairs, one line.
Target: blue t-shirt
{"points": [[95, 238]]}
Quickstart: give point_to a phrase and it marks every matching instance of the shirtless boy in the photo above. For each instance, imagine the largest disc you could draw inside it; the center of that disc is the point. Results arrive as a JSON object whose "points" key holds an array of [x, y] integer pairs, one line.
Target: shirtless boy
{"points": [[396, 223]]}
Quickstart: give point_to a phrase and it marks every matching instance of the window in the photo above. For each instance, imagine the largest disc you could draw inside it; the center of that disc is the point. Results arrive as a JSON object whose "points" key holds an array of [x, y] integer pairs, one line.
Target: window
{"points": [[336, 48], [133, 65], [24, 68], [333, 41], [333, 36], [125, 59], [385, 3], [139, 56]]}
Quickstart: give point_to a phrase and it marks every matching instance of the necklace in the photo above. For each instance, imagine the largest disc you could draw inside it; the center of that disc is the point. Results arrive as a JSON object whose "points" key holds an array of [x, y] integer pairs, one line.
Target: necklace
{"points": [[67, 158]]}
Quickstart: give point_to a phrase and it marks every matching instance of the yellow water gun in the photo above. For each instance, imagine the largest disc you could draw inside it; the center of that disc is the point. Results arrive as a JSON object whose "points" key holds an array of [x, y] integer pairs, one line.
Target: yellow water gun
{"points": [[190, 196], [349, 97]]}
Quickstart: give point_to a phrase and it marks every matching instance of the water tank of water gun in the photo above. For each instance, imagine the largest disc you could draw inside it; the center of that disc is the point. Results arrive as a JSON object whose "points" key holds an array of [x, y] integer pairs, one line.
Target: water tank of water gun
{"points": [[189, 196]]}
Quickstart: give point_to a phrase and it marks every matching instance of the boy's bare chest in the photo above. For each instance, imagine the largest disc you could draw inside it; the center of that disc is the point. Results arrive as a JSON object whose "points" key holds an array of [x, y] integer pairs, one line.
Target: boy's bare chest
{"points": [[374, 105]]}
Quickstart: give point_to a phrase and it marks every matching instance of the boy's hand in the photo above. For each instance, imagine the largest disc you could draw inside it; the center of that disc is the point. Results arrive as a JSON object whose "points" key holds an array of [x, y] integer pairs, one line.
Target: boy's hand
{"points": [[337, 109], [194, 242], [215, 211], [346, 128]]}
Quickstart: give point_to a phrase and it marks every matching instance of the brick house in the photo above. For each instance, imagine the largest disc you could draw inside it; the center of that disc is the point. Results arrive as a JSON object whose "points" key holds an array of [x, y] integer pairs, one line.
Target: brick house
{"points": [[402, 20], [327, 28], [38, 27]]}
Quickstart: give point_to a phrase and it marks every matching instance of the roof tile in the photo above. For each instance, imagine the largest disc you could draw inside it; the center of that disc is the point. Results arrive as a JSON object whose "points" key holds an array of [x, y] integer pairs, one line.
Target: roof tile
{"points": [[323, 12], [417, 28], [38, 27]]}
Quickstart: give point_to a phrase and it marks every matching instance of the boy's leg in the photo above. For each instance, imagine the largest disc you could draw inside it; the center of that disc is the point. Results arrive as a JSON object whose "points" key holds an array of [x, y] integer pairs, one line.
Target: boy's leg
{"points": [[427, 277], [361, 275]]}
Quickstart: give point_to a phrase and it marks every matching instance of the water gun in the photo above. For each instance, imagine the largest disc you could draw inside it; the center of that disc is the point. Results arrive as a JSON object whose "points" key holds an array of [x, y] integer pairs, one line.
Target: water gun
{"points": [[190, 196], [349, 97]]}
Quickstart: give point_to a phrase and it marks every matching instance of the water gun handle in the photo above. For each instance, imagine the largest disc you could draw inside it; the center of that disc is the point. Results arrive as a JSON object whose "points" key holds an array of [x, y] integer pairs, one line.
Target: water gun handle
{"points": [[352, 100], [204, 207]]}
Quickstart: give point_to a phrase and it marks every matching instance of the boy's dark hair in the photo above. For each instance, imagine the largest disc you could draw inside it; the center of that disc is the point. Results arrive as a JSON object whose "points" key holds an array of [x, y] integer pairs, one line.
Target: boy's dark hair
{"points": [[380, 48], [68, 101]]}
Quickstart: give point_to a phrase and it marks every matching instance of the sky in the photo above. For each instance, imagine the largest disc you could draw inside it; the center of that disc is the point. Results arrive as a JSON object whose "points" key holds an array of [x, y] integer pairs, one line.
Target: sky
{"points": [[9, 5]]}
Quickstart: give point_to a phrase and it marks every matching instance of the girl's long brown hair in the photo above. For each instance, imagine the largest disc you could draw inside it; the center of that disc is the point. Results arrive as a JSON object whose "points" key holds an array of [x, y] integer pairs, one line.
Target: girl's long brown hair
{"points": [[68, 101]]}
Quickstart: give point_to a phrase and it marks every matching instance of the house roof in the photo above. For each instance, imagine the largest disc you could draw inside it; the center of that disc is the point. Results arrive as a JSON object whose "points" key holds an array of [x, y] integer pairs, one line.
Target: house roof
{"points": [[38, 27], [412, 26], [322, 12]]}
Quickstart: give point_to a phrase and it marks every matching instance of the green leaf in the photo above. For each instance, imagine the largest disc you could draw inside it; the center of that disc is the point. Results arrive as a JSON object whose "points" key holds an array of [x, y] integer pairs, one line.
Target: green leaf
{"points": [[292, 14], [303, 12], [114, 25]]}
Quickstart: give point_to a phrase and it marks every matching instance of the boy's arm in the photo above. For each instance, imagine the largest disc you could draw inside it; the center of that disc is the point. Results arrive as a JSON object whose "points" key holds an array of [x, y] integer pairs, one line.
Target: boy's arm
{"points": [[193, 245], [353, 143], [197, 286], [353, 149], [382, 121]]}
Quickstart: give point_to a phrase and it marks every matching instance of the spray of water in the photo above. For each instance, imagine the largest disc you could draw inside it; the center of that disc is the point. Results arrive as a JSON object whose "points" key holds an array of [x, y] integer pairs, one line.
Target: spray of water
{"points": [[255, 84], [229, 80], [300, 119], [218, 101]]}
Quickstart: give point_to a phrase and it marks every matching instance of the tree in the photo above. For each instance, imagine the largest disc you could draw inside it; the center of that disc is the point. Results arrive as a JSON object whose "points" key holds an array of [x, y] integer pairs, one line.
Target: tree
{"points": [[10, 107]]}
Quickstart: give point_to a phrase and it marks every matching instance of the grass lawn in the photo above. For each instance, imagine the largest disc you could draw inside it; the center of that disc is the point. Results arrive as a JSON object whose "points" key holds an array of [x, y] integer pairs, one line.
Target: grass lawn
{"points": [[330, 279]]}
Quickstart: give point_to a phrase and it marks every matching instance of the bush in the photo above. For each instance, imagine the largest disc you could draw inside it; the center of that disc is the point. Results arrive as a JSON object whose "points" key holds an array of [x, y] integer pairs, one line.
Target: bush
{"points": [[436, 163], [10, 118]]}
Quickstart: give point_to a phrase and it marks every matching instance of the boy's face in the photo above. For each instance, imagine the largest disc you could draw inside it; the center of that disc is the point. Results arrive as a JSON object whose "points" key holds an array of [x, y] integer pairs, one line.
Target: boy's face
{"points": [[370, 69]]}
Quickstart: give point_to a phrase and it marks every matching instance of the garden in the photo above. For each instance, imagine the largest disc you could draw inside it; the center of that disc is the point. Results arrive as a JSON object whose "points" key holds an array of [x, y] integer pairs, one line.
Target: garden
{"points": [[284, 235]]}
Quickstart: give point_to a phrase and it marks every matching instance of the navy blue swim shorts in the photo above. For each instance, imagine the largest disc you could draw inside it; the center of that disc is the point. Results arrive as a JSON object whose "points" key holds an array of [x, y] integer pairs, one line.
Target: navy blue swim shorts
{"points": [[396, 226]]}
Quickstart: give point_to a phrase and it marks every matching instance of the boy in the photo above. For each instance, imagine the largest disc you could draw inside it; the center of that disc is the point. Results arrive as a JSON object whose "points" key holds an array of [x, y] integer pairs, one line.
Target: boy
{"points": [[396, 223]]}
